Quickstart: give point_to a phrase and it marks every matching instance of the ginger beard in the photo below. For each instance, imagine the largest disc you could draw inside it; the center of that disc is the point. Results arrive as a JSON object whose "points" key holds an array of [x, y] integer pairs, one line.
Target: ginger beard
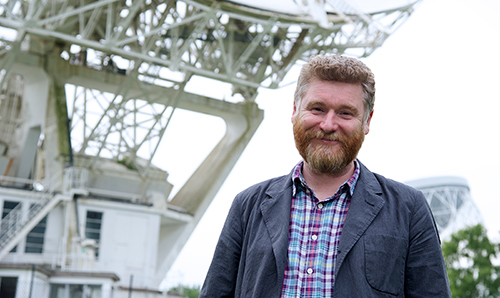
{"points": [[325, 158]]}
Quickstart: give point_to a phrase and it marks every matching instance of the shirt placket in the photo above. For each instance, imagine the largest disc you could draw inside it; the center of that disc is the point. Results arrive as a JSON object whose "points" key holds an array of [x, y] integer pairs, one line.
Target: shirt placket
{"points": [[316, 228], [312, 237]]}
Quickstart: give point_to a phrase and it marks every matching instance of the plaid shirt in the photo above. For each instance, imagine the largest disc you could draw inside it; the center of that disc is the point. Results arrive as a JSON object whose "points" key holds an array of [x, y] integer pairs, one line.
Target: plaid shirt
{"points": [[314, 235]]}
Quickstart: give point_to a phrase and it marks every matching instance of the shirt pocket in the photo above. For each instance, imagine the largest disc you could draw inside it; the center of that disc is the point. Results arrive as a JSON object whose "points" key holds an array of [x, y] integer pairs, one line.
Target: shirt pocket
{"points": [[385, 258]]}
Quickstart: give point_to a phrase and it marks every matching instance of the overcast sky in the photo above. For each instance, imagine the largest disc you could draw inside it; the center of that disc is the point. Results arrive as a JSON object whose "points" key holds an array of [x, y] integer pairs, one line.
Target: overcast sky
{"points": [[436, 113]]}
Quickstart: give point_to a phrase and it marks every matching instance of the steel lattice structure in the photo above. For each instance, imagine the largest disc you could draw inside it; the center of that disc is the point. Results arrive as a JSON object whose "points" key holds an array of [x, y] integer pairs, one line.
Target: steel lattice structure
{"points": [[451, 203], [216, 39], [88, 90], [165, 43]]}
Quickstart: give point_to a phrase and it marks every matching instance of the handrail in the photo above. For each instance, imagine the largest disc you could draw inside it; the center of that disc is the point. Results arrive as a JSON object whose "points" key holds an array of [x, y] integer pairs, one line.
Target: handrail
{"points": [[14, 221]]}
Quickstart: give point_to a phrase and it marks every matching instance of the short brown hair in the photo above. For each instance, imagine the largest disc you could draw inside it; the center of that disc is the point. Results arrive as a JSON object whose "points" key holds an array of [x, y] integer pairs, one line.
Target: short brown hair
{"points": [[335, 68]]}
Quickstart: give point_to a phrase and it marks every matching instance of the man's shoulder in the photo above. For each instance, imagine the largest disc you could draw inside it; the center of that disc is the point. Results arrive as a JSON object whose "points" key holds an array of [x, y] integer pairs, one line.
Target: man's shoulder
{"points": [[270, 184], [397, 196], [388, 185], [263, 189], [393, 184]]}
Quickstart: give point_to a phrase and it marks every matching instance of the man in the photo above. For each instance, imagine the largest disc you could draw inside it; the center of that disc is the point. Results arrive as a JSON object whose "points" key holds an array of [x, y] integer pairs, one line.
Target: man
{"points": [[331, 228]]}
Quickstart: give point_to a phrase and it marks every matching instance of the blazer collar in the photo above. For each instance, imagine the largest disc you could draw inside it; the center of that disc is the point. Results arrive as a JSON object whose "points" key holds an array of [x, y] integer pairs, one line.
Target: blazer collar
{"points": [[366, 203], [275, 209]]}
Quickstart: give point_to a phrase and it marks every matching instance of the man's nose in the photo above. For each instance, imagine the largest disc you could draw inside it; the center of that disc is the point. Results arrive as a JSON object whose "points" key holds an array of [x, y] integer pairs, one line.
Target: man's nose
{"points": [[329, 122]]}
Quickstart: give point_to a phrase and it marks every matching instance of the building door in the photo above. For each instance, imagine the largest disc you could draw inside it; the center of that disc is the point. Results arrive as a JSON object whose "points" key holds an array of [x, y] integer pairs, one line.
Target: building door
{"points": [[8, 286]]}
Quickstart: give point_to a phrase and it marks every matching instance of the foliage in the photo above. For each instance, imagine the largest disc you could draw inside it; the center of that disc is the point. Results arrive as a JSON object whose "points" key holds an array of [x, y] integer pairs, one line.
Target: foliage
{"points": [[186, 291], [126, 162], [468, 257]]}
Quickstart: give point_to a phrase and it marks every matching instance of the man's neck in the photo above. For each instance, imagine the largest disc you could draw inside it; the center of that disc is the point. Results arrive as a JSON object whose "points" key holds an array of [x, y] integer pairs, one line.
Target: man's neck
{"points": [[325, 185]]}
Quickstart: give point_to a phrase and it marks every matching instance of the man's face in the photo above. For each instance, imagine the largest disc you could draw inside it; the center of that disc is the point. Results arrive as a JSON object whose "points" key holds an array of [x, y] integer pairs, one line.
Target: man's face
{"points": [[328, 125]]}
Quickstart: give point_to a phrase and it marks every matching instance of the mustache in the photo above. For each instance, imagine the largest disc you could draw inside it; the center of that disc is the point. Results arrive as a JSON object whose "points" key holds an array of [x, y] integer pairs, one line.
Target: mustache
{"points": [[317, 134]]}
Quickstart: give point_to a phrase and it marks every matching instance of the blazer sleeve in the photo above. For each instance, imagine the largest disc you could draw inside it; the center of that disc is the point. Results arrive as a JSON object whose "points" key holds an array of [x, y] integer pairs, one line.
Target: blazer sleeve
{"points": [[222, 273], [425, 269]]}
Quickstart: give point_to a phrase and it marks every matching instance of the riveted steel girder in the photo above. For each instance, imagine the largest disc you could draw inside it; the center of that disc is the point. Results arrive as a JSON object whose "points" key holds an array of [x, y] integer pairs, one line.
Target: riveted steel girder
{"points": [[221, 40]]}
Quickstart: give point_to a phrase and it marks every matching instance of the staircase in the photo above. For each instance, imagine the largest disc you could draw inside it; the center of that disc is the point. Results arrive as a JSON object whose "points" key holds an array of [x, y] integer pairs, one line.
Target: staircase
{"points": [[16, 225]]}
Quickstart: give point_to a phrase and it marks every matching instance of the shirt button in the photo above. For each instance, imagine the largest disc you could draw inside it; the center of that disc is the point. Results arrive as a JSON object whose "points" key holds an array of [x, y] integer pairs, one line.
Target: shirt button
{"points": [[309, 271], [314, 237], [320, 206]]}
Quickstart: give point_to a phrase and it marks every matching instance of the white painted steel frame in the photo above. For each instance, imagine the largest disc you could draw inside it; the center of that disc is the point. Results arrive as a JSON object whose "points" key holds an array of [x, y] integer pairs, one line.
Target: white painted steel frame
{"points": [[147, 40], [216, 39]]}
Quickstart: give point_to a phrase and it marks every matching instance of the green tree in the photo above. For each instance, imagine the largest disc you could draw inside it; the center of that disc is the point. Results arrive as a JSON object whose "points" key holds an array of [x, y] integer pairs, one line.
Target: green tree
{"points": [[468, 257], [186, 291]]}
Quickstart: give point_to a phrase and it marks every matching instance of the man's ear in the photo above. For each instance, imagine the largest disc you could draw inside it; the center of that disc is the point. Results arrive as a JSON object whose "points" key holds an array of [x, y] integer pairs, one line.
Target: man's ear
{"points": [[367, 125], [294, 110]]}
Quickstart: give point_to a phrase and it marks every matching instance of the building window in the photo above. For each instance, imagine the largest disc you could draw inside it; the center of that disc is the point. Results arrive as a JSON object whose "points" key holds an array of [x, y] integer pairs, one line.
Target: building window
{"points": [[8, 286], [35, 238], [7, 207], [74, 291], [93, 228]]}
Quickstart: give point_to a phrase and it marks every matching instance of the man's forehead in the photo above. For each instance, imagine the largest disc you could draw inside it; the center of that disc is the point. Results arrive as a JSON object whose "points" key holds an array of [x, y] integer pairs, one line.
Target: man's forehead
{"points": [[318, 89]]}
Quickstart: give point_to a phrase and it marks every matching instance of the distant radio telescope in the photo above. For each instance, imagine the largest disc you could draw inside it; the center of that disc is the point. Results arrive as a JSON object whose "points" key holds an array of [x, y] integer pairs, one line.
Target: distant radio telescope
{"points": [[451, 203]]}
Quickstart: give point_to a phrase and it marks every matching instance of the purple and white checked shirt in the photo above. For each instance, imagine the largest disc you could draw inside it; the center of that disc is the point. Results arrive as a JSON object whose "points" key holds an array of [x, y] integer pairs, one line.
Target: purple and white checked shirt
{"points": [[314, 235]]}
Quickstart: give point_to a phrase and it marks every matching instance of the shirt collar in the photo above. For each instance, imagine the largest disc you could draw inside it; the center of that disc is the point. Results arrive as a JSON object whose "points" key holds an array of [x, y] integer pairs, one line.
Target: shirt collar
{"points": [[298, 178]]}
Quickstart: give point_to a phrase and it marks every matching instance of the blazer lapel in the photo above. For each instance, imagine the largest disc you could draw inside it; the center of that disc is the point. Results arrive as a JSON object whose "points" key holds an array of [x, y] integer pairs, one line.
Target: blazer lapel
{"points": [[365, 205], [275, 209]]}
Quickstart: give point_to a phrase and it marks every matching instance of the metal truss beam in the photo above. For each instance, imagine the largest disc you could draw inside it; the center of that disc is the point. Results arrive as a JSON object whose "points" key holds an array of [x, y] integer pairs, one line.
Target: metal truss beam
{"points": [[452, 207], [214, 39]]}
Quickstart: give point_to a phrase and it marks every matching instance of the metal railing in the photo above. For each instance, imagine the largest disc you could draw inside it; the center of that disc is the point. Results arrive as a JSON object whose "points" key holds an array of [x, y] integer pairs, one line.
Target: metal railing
{"points": [[12, 224]]}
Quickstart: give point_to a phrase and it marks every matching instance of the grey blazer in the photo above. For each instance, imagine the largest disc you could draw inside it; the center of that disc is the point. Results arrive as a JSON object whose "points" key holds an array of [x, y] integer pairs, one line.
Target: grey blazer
{"points": [[389, 245]]}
